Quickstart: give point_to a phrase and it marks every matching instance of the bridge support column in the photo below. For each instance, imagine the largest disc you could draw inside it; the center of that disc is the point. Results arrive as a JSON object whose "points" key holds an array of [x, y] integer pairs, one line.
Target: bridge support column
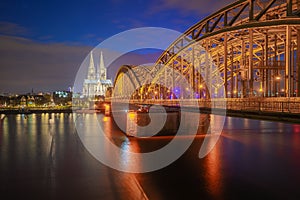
{"points": [[288, 62], [193, 74], [231, 74], [173, 88], [225, 66], [292, 69], [236, 89], [180, 81], [298, 62], [165, 89], [243, 71], [266, 65], [199, 86], [250, 72], [276, 80], [208, 91]]}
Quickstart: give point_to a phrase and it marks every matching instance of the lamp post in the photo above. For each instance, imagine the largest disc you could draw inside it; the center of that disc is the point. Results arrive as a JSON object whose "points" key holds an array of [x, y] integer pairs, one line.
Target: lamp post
{"points": [[277, 79], [155, 94], [235, 94], [261, 91], [200, 90]]}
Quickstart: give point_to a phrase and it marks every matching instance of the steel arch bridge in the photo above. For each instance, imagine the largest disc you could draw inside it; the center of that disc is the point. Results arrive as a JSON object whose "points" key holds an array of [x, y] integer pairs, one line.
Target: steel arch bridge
{"points": [[249, 48]]}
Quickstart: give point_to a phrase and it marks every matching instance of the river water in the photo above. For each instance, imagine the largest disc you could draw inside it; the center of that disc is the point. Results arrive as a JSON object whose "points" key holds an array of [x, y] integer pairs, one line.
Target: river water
{"points": [[42, 157]]}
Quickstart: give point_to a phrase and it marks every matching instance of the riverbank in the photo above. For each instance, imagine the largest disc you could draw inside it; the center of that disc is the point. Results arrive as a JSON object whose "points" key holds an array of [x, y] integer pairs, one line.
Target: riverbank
{"points": [[31, 111], [260, 115]]}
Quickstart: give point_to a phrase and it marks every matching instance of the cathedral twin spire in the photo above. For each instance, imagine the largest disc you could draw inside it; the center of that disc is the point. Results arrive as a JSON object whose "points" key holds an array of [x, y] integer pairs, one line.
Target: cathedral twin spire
{"points": [[96, 82], [100, 74]]}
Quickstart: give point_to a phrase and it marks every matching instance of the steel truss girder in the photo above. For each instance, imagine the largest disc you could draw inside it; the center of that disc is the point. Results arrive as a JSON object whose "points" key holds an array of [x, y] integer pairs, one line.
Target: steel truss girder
{"points": [[267, 21], [241, 14]]}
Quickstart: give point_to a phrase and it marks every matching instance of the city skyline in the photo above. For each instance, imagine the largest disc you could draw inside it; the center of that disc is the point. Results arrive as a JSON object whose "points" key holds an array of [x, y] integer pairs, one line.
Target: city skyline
{"points": [[162, 99], [44, 43]]}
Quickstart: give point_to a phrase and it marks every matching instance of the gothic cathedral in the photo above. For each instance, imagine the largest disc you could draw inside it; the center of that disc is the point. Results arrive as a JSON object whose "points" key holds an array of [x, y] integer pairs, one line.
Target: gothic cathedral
{"points": [[96, 83]]}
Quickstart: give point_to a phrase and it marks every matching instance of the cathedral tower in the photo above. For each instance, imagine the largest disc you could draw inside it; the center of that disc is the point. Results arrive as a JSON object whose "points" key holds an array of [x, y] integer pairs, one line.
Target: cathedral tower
{"points": [[96, 83]]}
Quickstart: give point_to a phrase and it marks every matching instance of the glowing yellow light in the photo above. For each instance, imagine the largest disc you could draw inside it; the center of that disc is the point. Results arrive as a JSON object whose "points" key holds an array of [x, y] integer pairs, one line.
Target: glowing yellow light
{"points": [[260, 89], [234, 91], [155, 92], [200, 86], [277, 78], [131, 115], [105, 119]]}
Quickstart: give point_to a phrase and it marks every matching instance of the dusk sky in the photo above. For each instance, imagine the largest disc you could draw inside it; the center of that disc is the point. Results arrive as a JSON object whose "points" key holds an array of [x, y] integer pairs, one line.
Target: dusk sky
{"points": [[43, 43]]}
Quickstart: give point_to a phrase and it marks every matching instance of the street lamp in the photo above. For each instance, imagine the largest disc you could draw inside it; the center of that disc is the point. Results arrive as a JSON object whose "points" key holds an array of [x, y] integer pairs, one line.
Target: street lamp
{"points": [[277, 87], [235, 92], [155, 94]]}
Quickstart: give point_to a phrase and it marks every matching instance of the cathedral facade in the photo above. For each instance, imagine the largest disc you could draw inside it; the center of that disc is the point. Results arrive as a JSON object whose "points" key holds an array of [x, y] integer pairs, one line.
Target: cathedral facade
{"points": [[96, 82]]}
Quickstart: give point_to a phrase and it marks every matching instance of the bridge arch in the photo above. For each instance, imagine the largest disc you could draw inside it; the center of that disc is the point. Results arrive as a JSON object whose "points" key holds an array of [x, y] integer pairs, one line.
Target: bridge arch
{"points": [[248, 48], [131, 81], [252, 43]]}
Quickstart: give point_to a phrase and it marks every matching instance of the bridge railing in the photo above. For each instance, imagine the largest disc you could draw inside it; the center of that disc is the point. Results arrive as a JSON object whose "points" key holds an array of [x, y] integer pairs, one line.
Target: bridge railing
{"points": [[283, 105]]}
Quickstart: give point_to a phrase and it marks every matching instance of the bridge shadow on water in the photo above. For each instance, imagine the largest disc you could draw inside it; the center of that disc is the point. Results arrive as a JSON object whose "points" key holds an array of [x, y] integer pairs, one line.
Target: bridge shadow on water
{"points": [[138, 124]]}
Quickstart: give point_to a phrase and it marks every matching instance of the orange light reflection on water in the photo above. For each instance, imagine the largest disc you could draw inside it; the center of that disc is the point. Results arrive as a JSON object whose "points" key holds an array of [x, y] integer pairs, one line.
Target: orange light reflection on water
{"points": [[213, 174]]}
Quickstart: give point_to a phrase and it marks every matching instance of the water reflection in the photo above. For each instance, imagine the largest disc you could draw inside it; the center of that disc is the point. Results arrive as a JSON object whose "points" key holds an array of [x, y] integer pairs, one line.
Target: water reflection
{"points": [[213, 174], [40, 154], [138, 124]]}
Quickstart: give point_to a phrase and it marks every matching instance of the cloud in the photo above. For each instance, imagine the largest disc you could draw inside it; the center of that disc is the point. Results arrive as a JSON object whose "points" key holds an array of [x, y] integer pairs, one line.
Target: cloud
{"points": [[46, 37], [27, 64], [129, 23], [8, 28], [201, 7]]}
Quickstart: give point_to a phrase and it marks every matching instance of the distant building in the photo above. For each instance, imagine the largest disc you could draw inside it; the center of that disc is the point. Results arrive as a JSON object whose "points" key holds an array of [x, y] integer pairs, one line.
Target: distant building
{"points": [[96, 82], [62, 97], [4, 100], [26, 100]]}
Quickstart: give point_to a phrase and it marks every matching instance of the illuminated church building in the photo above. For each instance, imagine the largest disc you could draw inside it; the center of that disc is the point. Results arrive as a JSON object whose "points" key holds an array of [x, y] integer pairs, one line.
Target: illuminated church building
{"points": [[96, 83]]}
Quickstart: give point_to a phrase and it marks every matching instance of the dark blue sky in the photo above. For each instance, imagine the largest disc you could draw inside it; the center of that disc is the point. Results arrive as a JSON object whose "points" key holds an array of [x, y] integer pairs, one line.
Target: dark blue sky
{"points": [[42, 43]]}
